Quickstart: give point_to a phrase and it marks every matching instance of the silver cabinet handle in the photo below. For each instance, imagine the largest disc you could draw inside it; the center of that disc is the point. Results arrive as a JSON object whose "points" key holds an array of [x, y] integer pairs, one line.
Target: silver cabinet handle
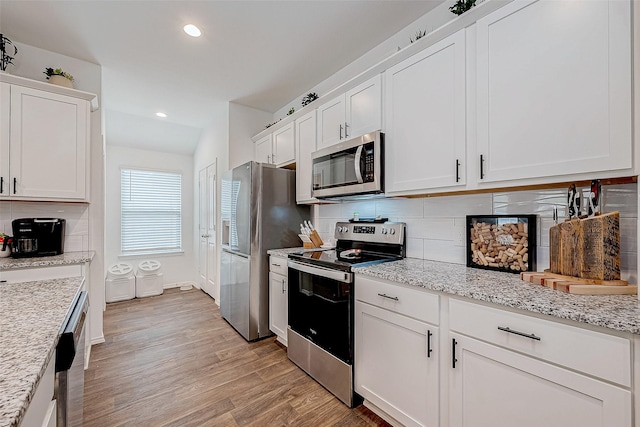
{"points": [[340, 131], [522, 334], [387, 296], [277, 265], [273, 159], [346, 126], [283, 287], [268, 158]]}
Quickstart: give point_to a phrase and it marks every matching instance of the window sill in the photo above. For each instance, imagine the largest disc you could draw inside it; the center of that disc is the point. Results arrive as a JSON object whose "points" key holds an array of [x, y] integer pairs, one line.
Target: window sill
{"points": [[151, 254]]}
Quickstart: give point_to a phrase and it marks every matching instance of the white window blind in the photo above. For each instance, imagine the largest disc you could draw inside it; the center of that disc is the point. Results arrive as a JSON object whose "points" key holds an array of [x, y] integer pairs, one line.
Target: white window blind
{"points": [[151, 211]]}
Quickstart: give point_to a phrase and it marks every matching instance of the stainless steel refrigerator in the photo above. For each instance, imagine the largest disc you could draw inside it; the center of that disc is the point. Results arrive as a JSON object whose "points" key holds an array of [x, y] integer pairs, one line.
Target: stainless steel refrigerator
{"points": [[259, 212]]}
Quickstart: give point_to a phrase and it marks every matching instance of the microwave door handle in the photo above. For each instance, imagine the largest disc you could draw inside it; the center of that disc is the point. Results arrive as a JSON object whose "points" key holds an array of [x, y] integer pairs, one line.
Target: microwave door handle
{"points": [[357, 164]]}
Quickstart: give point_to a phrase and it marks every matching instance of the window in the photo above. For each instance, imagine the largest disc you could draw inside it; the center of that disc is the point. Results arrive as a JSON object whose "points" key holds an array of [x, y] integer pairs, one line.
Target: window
{"points": [[151, 211]]}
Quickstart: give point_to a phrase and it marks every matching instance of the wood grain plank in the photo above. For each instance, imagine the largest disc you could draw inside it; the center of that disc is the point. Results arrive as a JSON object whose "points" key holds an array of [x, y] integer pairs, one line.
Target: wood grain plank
{"points": [[171, 360]]}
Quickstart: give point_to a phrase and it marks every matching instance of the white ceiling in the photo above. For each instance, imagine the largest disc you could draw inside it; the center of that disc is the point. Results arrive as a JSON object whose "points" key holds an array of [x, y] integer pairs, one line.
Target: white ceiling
{"points": [[257, 53]]}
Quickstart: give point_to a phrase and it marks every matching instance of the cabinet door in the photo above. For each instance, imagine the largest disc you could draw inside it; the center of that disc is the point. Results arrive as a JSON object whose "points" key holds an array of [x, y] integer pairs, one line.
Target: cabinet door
{"points": [[394, 369], [263, 150], [278, 306], [5, 106], [425, 119], [306, 145], [48, 148], [331, 120], [364, 108], [284, 148], [554, 89], [492, 386]]}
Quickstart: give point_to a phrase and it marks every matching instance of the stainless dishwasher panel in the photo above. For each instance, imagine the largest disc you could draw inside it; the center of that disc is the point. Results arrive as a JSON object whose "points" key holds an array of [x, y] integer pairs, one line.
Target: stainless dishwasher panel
{"points": [[69, 388]]}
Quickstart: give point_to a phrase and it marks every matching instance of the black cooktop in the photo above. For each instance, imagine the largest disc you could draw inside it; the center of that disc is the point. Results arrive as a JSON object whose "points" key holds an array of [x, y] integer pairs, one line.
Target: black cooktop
{"points": [[342, 260]]}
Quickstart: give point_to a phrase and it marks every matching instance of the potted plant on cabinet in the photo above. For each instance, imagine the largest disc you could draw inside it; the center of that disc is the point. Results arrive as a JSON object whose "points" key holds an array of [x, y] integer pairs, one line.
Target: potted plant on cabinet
{"points": [[59, 77]]}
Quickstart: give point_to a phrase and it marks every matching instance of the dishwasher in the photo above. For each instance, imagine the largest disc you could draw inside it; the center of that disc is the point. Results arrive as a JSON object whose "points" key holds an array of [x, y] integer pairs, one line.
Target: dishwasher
{"points": [[69, 386]]}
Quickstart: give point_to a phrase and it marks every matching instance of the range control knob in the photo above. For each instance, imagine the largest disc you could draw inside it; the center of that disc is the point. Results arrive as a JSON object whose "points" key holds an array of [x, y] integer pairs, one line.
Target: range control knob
{"points": [[384, 231], [392, 231]]}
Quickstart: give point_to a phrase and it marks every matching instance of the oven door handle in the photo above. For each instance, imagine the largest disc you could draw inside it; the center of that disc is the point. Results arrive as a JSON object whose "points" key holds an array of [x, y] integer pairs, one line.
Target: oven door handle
{"points": [[357, 164], [340, 276]]}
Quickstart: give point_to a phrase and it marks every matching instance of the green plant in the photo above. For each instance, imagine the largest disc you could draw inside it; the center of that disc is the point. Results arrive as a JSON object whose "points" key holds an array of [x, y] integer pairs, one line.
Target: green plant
{"points": [[461, 6], [309, 98], [57, 72], [5, 47], [419, 35], [291, 111]]}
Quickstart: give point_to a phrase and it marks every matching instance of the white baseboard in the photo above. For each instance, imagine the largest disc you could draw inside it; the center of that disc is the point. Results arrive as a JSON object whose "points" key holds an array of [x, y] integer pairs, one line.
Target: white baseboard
{"points": [[180, 284]]}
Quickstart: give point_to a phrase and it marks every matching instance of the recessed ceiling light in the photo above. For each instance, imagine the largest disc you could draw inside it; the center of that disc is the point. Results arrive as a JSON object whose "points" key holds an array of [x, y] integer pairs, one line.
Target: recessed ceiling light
{"points": [[192, 30], [160, 114]]}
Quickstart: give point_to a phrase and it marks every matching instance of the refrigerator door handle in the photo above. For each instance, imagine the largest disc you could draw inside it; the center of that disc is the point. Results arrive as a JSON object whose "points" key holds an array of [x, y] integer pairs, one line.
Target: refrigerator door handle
{"points": [[232, 252]]}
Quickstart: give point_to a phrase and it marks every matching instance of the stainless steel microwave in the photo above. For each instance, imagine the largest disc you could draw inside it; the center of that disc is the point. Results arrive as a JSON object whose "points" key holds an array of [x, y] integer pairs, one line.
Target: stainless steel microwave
{"points": [[352, 167]]}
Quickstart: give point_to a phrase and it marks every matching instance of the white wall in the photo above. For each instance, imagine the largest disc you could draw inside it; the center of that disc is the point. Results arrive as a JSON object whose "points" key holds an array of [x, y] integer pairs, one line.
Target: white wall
{"points": [[178, 268], [31, 62], [244, 122]]}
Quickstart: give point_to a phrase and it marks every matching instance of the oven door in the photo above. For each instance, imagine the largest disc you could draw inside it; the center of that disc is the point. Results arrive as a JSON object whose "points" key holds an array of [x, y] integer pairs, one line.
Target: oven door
{"points": [[320, 307]]}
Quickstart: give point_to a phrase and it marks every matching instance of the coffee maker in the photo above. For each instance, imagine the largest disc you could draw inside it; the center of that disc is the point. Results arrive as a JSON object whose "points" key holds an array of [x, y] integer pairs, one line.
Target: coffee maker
{"points": [[33, 237]]}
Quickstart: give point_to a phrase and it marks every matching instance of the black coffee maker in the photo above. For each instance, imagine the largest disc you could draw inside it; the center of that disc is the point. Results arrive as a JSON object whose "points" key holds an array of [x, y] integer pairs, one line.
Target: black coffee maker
{"points": [[33, 237]]}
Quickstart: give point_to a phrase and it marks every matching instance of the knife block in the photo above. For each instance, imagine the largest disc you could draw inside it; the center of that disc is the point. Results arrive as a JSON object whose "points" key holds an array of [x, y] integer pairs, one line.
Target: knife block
{"points": [[587, 248]]}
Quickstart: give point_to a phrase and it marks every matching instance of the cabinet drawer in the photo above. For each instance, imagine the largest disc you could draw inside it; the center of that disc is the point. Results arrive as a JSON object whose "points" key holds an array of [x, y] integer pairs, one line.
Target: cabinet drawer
{"points": [[278, 265], [409, 302], [602, 355]]}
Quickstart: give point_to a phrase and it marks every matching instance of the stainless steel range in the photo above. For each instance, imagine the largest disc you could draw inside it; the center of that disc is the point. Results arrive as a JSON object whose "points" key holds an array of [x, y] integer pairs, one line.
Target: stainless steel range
{"points": [[321, 301]]}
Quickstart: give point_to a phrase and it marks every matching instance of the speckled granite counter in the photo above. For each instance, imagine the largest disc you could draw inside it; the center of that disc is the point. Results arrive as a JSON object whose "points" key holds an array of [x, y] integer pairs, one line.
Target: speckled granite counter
{"points": [[67, 258], [31, 317], [617, 312]]}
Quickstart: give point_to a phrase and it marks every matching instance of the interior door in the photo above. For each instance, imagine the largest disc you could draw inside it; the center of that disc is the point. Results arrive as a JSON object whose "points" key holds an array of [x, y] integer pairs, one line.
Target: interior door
{"points": [[202, 229], [207, 231], [211, 248]]}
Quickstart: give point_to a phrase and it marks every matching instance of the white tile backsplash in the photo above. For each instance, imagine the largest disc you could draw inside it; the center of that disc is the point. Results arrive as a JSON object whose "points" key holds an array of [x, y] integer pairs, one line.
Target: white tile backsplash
{"points": [[75, 214], [433, 223]]}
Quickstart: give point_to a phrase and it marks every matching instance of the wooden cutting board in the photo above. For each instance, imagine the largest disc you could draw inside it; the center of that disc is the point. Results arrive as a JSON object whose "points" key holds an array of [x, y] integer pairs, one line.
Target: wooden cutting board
{"points": [[586, 248], [579, 286]]}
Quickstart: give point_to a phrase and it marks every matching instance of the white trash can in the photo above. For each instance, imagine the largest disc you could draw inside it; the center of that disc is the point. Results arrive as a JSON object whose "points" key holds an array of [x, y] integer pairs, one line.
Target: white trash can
{"points": [[120, 283], [149, 279]]}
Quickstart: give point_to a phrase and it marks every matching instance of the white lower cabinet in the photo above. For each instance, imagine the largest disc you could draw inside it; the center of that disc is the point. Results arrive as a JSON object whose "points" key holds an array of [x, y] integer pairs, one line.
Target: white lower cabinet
{"points": [[427, 359], [42, 407], [278, 298], [396, 351], [493, 386], [396, 365]]}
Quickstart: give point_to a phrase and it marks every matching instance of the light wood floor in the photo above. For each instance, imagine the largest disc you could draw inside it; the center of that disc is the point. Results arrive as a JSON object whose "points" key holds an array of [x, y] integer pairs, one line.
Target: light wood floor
{"points": [[172, 360]]}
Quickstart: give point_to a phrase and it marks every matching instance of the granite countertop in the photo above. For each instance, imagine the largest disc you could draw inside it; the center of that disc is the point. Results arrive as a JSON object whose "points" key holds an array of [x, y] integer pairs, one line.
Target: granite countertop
{"points": [[617, 312], [66, 258], [31, 320]]}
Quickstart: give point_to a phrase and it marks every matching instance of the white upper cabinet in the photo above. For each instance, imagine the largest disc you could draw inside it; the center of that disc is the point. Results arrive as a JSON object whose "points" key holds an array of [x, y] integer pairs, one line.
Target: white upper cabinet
{"points": [[264, 149], [352, 114], [331, 122], [553, 89], [284, 147], [47, 144], [5, 106], [425, 119], [278, 147], [305, 145]]}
